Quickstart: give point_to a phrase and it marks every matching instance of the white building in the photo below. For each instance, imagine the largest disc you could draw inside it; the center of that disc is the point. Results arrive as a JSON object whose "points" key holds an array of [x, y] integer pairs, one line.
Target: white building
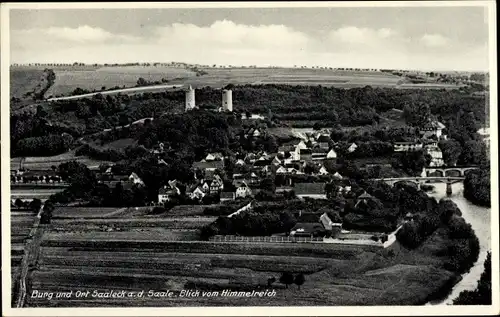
{"points": [[436, 154], [433, 128], [190, 99], [227, 100]]}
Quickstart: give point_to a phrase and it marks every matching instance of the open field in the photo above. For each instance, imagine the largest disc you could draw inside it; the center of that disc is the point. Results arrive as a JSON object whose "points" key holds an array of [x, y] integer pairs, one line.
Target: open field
{"points": [[92, 78], [27, 194], [126, 249], [24, 80], [46, 162], [350, 276]]}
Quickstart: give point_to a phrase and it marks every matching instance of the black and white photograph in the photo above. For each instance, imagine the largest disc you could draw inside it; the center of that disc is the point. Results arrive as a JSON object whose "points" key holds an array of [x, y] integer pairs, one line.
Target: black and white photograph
{"points": [[249, 156]]}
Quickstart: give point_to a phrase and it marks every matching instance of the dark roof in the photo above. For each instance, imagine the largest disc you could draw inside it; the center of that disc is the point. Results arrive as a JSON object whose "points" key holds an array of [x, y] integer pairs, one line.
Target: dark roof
{"points": [[407, 143], [308, 226], [227, 195], [262, 163], [286, 148], [309, 188], [323, 138], [305, 151], [211, 164], [319, 151], [365, 195], [125, 184]]}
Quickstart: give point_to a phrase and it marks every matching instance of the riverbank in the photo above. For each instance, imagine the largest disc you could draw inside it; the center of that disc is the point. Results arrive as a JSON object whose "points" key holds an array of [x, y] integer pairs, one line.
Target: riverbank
{"points": [[479, 219]]}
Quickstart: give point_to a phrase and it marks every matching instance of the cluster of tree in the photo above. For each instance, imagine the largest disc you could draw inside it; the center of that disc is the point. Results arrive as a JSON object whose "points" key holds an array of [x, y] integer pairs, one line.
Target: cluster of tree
{"points": [[131, 152], [191, 135], [371, 215], [444, 219], [251, 224], [482, 294], [368, 149], [43, 145], [411, 162], [477, 186], [287, 278]]}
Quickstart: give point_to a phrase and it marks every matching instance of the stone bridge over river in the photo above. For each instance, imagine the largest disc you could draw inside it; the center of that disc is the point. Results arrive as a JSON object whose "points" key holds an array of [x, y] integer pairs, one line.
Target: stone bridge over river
{"points": [[423, 180]]}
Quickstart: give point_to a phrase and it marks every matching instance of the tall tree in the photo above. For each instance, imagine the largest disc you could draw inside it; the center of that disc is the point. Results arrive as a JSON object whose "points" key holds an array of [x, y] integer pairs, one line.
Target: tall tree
{"points": [[299, 280]]}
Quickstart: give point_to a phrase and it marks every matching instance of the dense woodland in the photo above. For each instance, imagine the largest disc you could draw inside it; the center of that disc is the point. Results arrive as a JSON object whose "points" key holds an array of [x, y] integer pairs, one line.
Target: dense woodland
{"points": [[333, 106]]}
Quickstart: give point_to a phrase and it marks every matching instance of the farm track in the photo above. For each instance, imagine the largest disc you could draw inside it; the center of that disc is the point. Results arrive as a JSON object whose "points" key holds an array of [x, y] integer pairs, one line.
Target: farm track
{"points": [[131, 90]]}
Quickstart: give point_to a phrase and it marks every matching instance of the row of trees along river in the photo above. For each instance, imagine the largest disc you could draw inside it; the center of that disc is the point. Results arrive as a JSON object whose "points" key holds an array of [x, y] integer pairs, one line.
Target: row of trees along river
{"points": [[480, 220]]}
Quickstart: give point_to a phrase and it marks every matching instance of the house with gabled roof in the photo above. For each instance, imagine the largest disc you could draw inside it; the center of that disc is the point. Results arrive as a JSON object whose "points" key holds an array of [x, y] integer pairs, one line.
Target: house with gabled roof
{"points": [[305, 154], [337, 176], [243, 190], [322, 171], [324, 145], [168, 191], [208, 166], [134, 178], [323, 138], [214, 157], [281, 170], [331, 154], [364, 198], [240, 162], [276, 161], [352, 148]]}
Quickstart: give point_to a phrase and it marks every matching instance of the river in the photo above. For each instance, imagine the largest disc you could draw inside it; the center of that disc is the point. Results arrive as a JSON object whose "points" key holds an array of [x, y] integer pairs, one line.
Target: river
{"points": [[480, 220]]}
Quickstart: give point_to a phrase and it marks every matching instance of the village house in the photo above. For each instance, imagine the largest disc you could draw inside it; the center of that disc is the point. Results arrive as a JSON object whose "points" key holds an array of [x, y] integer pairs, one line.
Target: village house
{"points": [[216, 185], [168, 191], [214, 157], [134, 178], [407, 146], [196, 193], [310, 190], [243, 191], [276, 161], [364, 198], [323, 138], [337, 176], [433, 129], [332, 227], [352, 148], [305, 155], [436, 155], [208, 166], [323, 145], [253, 116], [307, 229], [319, 154], [331, 154], [240, 162], [322, 171]]}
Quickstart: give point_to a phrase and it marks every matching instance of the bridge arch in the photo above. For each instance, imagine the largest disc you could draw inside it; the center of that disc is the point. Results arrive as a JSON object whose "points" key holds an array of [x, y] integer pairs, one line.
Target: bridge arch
{"points": [[435, 173], [407, 182], [453, 172]]}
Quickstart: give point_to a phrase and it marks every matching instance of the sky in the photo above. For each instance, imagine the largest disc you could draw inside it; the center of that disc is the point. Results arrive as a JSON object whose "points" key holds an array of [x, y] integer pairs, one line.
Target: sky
{"points": [[425, 38]]}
